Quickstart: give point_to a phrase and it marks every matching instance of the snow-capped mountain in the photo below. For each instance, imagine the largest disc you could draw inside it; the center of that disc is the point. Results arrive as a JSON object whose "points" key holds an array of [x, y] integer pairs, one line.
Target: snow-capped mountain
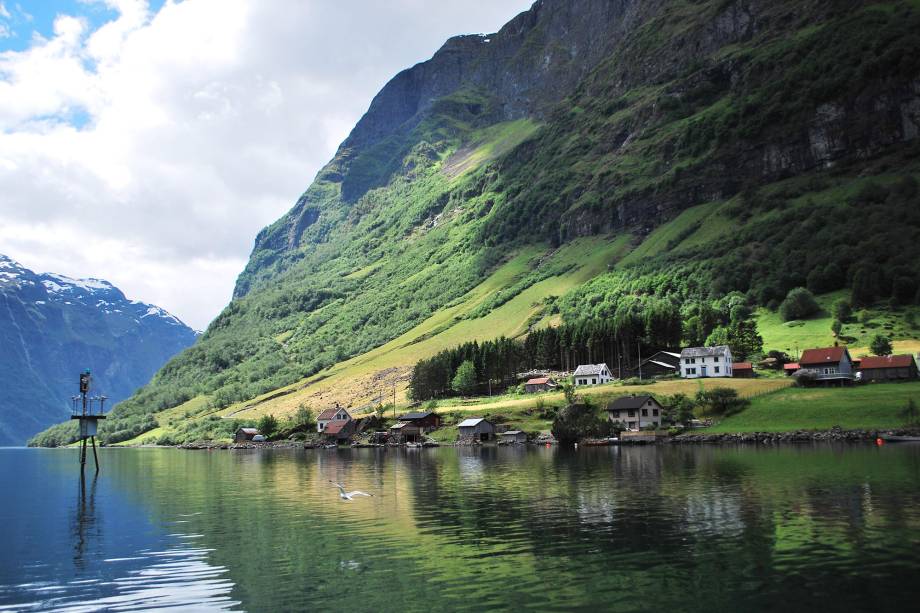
{"points": [[52, 327]]}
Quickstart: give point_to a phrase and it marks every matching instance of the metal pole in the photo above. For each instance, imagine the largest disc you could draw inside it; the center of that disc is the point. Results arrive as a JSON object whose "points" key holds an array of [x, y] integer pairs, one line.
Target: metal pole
{"points": [[82, 455], [639, 346], [95, 457]]}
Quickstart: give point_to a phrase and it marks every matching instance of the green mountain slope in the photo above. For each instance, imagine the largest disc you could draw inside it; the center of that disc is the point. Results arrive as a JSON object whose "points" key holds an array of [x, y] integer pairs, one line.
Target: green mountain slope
{"points": [[591, 159]]}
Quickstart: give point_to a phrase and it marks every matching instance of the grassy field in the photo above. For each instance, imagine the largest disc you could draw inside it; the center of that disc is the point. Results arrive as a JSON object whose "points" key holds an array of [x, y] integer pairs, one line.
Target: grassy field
{"points": [[523, 411], [863, 407]]}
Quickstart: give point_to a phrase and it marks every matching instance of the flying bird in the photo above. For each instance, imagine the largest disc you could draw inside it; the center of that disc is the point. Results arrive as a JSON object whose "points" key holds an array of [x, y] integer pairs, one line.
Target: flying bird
{"points": [[347, 495]]}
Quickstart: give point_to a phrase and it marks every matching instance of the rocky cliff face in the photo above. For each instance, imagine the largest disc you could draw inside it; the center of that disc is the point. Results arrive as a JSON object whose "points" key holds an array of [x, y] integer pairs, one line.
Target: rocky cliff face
{"points": [[53, 327], [775, 110]]}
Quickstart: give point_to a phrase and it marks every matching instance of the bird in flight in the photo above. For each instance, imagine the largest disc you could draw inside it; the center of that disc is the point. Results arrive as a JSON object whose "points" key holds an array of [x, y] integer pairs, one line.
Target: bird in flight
{"points": [[347, 495]]}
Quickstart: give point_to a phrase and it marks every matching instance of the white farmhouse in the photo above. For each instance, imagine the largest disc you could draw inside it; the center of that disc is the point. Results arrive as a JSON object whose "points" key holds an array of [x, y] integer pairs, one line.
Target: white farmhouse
{"points": [[592, 374], [697, 362], [330, 415]]}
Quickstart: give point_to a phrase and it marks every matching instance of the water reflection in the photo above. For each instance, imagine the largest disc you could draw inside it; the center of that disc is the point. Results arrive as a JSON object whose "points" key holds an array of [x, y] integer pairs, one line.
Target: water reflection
{"points": [[84, 519], [632, 528]]}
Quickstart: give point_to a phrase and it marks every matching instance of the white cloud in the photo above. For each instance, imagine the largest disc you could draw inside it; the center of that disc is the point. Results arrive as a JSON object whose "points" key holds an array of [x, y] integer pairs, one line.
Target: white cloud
{"points": [[149, 151]]}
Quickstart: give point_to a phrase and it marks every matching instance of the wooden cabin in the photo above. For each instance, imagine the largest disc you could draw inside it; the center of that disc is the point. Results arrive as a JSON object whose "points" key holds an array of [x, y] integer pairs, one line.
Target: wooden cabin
{"points": [[476, 429]]}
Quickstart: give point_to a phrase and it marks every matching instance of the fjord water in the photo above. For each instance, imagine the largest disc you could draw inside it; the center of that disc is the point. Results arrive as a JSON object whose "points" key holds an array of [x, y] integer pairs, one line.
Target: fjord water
{"points": [[633, 528]]}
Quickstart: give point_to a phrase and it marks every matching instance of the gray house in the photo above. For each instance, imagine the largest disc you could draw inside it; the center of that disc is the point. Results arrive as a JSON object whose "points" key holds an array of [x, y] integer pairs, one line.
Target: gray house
{"points": [[476, 429], [635, 412]]}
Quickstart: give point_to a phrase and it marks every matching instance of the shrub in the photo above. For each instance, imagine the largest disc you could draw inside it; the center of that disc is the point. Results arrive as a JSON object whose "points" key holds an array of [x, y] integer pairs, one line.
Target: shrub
{"points": [[910, 413], [576, 422], [721, 401], [881, 345], [836, 327], [799, 304], [843, 310], [268, 425]]}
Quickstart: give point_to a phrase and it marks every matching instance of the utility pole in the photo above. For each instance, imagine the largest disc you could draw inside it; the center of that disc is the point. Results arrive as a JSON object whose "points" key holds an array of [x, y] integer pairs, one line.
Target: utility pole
{"points": [[639, 347]]}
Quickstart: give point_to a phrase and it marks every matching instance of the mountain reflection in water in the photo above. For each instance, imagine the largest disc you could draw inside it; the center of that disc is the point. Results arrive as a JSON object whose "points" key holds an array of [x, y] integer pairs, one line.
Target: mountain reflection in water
{"points": [[632, 528]]}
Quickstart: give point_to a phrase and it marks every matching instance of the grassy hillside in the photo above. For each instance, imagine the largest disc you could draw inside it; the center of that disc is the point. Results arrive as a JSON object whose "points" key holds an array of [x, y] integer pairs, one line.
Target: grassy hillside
{"points": [[776, 154], [876, 406], [858, 331]]}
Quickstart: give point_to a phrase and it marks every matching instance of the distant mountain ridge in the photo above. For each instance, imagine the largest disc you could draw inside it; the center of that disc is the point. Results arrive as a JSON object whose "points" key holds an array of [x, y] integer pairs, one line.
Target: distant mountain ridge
{"points": [[52, 327]]}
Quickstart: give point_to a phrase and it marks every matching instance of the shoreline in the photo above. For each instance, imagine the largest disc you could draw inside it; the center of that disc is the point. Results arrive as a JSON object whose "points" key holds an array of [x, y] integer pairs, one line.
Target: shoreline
{"points": [[835, 435]]}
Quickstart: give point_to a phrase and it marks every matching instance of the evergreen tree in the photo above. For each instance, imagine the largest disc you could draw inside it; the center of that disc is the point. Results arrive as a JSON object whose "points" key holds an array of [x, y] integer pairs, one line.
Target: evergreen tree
{"points": [[881, 345]]}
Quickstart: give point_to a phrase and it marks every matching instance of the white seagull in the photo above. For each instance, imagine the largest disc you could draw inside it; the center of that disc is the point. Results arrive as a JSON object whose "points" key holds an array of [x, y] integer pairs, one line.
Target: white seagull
{"points": [[347, 495]]}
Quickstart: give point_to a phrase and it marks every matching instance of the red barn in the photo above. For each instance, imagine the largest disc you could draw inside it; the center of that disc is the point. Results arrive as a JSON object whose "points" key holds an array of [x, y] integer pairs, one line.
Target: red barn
{"points": [[743, 370], [888, 368]]}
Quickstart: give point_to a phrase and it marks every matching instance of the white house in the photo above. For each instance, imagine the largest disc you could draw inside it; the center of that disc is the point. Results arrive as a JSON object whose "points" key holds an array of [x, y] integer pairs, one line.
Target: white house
{"points": [[592, 374], [697, 362], [330, 415]]}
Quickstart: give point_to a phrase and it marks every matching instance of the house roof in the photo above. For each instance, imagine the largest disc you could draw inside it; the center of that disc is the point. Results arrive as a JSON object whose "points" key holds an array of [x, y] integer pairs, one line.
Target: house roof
{"points": [[471, 423], [792, 366], [590, 369], [249, 430], [415, 416], [539, 381], [662, 364], [511, 432], [742, 366], [334, 427], [403, 424], [824, 355], [704, 352], [629, 402], [659, 356], [329, 414], [886, 361]]}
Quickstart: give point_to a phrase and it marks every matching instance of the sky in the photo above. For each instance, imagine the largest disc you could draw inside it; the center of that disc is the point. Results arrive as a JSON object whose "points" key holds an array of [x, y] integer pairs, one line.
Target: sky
{"points": [[147, 143]]}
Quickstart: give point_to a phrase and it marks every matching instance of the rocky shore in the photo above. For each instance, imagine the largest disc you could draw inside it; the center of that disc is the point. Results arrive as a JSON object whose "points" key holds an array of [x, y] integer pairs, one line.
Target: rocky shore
{"points": [[798, 436], [211, 445]]}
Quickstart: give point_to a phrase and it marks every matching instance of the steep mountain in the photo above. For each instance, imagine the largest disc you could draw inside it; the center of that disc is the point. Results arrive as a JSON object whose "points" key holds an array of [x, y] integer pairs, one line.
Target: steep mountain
{"points": [[53, 327], [625, 160]]}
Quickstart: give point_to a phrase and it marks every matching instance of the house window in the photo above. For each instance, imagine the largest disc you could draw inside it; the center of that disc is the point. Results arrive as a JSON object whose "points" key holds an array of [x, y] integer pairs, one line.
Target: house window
{"points": [[631, 413], [654, 412], [717, 370], [593, 381], [644, 412], [686, 360]]}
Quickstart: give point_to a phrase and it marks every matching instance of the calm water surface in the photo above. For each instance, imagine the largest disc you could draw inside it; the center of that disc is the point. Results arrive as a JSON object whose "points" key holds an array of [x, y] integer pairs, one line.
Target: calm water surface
{"points": [[626, 529]]}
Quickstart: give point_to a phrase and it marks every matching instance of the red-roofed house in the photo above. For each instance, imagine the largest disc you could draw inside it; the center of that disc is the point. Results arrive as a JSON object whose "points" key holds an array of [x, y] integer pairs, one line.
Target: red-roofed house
{"points": [[339, 429], [540, 384], [329, 415], [743, 370], [790, 368], [888, 368], [828, 364]]}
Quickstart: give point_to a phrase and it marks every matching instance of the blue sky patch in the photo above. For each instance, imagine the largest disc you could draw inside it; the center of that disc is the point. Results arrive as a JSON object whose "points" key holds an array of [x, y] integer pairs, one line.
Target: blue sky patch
{"points": [[21, 19]]}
